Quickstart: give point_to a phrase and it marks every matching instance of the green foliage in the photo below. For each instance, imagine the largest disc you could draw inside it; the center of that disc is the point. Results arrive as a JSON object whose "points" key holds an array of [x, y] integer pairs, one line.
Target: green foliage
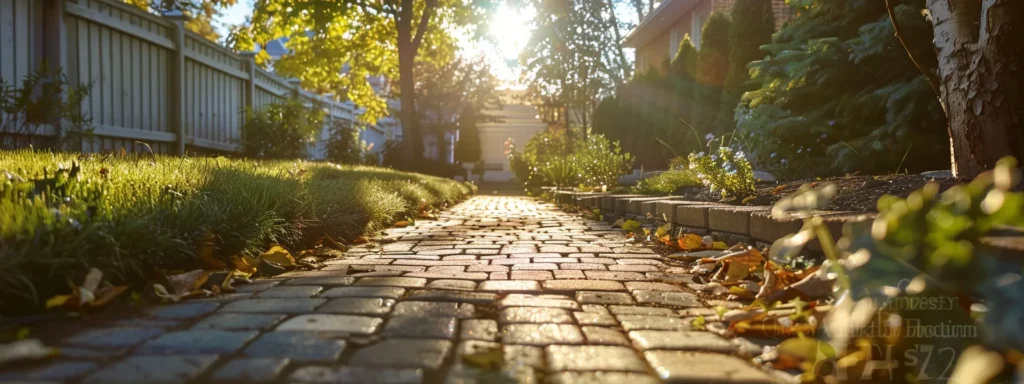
{"points": [[46, 98], [667, 182], [712, 70], [344, 146], [132, 216], [338, 46], [752, 26], [927, 248], [728, 172], [281, 130], [838, 94], [550, 158]]}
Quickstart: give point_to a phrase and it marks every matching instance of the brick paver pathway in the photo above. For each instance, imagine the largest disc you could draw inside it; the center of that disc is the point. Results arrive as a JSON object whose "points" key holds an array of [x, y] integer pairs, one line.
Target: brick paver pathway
{"points": [[499, 289]]}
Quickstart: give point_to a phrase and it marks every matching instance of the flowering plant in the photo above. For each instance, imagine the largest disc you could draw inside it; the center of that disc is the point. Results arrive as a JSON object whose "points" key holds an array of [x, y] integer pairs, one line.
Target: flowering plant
{"points": [[728, 172]]}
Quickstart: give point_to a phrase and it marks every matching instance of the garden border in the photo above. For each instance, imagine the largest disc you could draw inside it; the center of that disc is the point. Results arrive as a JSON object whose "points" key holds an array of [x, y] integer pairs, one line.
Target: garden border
{"points": [[735, 223]]}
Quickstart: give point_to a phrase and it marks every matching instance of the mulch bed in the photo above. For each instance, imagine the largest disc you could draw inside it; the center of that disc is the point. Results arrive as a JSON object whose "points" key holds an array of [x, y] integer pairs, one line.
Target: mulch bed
{"points": [[856, 193]]}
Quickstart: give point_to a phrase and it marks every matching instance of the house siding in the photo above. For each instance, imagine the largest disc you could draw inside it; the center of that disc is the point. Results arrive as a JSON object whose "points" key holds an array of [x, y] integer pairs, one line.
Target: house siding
{"points": [[662, 49]]}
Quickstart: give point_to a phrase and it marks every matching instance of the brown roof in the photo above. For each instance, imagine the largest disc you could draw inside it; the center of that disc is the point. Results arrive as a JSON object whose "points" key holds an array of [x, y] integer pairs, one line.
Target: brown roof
{"points": [[658, 20]]}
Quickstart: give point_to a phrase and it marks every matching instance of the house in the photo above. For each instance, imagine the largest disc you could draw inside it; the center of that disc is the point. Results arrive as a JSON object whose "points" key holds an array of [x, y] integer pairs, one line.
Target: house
{"points": [[657, 38], [515, 121]]}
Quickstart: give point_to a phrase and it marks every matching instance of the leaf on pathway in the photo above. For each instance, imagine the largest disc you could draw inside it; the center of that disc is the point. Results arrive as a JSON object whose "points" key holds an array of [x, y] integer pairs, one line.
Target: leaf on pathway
{"points": [[618, 223], [360, 240], [90, 294], [690, 242], [719, 246], [630, 226], [401, 224], [698, 323], [204, 249], [663, 230], [184, 283], [27, 349], [278, 255], [490, 358], [333, 243], [244, 263], [802, 349]]}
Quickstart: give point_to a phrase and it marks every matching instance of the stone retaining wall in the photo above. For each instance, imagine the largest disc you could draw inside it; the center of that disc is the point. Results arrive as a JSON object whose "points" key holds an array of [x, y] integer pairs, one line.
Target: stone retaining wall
{"points": [[732, 223]]}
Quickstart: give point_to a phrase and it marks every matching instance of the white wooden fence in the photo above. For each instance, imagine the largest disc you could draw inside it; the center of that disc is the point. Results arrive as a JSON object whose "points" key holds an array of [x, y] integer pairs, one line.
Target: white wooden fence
{"points": [[151, 80]]}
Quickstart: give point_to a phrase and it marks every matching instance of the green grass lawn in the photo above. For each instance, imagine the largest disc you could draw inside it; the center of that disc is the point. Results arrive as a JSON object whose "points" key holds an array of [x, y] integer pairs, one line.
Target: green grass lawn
{"points": [[131, 216]]}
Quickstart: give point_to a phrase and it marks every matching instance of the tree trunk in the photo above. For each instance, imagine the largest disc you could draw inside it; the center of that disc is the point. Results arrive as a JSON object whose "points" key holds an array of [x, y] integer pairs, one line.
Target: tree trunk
{"points": [[412, 139], [980, 61]]}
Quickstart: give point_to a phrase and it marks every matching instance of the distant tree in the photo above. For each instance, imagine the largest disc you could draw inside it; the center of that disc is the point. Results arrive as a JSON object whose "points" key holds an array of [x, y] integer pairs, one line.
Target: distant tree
{"points": [[201, 13], [712, 70], [337, 46], [752, 26], [344, 146]]}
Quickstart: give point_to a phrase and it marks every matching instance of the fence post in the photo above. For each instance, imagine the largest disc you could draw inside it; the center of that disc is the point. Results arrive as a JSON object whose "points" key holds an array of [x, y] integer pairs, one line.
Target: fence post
{"points": [[54, 54], [296, 86], [250, 94], [176, 104]]}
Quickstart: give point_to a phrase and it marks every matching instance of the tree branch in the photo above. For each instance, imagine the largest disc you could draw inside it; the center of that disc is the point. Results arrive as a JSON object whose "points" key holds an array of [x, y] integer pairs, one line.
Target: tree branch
{"points": [[933, 78], [421, 29]]}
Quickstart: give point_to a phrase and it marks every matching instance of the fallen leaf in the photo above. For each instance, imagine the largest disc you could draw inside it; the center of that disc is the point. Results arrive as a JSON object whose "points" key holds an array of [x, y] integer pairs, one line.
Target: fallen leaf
{"points": [[184, 283], [719, 246], [690, 242], [278, 255], [663, 230], [807, 349], [27, 349], [360, 240], [105, 295], [631, 226], [490, 358], [244, 263], [59, 301], [401, 224], [618, 223], [204, 249]]}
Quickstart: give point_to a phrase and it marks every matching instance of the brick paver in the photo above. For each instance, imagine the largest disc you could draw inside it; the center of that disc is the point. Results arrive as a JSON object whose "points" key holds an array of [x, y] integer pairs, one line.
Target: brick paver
{"points": [[555, 297]]}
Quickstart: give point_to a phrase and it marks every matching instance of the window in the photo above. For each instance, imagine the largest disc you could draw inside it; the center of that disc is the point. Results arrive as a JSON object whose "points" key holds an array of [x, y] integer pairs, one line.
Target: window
{"points": [[695, 27], [673, 43]]}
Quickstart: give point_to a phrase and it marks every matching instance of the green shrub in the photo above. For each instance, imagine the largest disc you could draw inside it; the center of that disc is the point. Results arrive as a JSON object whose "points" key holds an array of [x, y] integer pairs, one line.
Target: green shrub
{"points": [[712, 70], [131, 217], [44, 98], [281, 130], [667, 182], [550, 158], [728, 172], [839, 94], [344, 146], [752, 26]]}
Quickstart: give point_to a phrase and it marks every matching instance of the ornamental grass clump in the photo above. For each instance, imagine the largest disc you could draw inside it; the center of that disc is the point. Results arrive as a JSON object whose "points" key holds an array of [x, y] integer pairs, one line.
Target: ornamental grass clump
{"points": [[133, 216], [728, 172]]}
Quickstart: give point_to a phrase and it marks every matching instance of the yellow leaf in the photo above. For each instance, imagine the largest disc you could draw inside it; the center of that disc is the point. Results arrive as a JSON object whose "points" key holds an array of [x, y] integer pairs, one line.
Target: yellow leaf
{"points": [[690, 242], [277, 254], [807, 349], [719, 245], [105, 295], [490, 358], [23, 333], [243, 264], [663, 230], [630, 226], [58, 301], [204, 250]]}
